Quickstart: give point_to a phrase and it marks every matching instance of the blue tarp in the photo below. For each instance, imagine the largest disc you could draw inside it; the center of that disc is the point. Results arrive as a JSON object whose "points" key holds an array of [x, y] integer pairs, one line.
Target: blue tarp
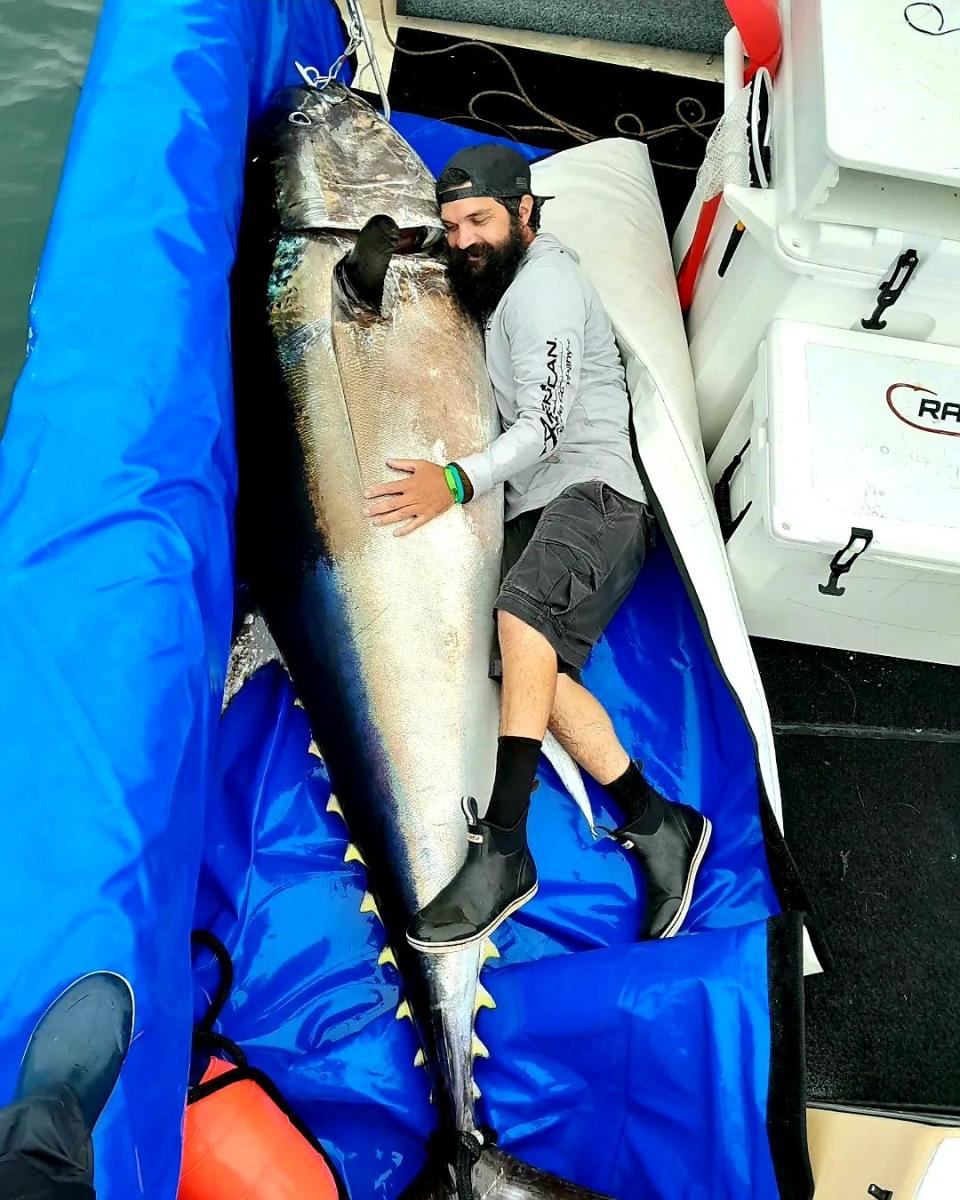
{"points": [[611, 1062], [638, 1069], [437, 141], [117, 485]]}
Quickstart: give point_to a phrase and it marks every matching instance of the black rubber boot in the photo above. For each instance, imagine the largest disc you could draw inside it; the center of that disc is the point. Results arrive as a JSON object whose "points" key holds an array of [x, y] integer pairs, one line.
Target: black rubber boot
{"points": [[80, 1043], [497, 878], [670, 858], [365, 267]]}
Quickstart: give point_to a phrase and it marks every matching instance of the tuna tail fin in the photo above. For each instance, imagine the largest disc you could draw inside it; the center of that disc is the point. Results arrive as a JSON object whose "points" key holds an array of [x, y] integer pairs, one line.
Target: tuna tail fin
{"points": [[494, 1175], [570, 777]]}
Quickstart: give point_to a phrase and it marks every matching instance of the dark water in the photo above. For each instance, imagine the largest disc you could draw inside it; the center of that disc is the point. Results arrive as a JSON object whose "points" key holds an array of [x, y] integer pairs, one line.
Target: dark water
{"points": [[44, 46]]}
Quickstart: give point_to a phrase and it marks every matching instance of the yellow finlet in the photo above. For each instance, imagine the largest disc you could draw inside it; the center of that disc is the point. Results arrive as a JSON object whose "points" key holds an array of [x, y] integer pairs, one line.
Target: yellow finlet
{"points": [[488, 950], [403, 1011], [476, 1092], [478, 1049], [298, 703], [353, 854], [369, 905], [314, 749], [333, 806], [421, 1059], [387, 956], [483, 1000]]}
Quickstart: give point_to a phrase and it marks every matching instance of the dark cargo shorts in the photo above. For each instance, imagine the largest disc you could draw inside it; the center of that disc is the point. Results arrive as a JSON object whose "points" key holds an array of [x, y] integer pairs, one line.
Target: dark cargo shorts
{"points": [[568, 567]]}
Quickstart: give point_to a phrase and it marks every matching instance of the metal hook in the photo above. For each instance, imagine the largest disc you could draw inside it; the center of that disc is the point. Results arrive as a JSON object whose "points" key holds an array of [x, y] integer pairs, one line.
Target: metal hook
{"points": [[359, 35], [310, 75]]}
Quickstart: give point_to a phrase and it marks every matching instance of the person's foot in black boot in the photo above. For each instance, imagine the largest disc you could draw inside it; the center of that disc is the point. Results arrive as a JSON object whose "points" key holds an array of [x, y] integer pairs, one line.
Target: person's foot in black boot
{"points": [[365, 267], [669, 841], [497, 878], [80, 1043]]}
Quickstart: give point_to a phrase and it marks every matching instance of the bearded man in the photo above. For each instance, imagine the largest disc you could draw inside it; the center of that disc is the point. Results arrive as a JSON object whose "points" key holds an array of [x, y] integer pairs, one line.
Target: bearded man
{"points": [[578, 529]]}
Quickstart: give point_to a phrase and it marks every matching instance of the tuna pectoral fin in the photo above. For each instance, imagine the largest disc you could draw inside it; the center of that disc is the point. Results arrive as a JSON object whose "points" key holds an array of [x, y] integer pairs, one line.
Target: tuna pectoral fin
{"points": [[253, 647], [570, 776], [496, 1176]]}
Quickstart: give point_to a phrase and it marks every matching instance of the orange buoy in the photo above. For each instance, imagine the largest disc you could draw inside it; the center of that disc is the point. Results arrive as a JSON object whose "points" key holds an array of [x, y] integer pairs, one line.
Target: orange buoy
{"points": [[239, 1144]]}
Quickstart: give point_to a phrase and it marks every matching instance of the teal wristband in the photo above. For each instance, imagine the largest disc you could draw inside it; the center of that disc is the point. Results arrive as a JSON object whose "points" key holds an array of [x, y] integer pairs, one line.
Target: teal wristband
{"points": [[454, 482]]}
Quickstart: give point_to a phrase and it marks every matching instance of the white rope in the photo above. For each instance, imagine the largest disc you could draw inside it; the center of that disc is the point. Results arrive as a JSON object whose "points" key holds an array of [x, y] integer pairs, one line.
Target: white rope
{"points": [[697, 124]]}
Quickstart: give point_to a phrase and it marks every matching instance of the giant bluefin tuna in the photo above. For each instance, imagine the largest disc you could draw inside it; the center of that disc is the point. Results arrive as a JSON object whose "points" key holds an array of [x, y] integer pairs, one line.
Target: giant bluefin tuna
{"points": [[387, 638]]}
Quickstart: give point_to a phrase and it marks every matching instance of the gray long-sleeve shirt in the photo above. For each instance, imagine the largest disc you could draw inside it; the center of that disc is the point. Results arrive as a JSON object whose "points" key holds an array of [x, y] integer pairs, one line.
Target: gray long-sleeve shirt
{"points": [[559, 384]]}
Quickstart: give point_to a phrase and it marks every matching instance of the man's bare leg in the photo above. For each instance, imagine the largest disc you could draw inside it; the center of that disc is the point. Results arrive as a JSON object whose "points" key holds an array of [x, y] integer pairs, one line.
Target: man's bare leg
{"points": [[499, 876], [583, 728], [668, 840], [529, 684], [529, 679]]}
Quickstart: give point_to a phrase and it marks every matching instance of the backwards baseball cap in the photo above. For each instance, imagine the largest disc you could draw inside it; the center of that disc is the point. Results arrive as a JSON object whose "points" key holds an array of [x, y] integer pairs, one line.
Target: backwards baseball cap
{"points": [[485, 170]]}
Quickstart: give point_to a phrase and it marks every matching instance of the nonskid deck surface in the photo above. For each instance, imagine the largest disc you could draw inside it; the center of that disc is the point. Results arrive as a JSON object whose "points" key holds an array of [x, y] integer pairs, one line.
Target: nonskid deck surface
{"points": [[869, 755]]}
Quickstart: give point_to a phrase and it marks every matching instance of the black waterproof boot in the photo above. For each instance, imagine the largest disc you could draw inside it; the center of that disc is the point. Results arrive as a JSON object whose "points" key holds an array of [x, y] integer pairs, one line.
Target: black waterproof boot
{"points": [[80, 1043], [365, 268], [498, 877], [670, 858]]}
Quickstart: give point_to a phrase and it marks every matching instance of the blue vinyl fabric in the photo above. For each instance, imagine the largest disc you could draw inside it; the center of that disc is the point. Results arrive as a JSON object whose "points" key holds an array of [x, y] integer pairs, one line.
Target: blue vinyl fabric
{"points": [[611, 1062], [117, 484]]}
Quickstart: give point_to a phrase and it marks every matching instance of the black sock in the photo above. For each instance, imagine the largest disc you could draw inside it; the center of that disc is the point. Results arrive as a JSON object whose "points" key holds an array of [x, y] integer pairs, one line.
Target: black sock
{"points": [[517, 759], [639, 803], [508, 840]]}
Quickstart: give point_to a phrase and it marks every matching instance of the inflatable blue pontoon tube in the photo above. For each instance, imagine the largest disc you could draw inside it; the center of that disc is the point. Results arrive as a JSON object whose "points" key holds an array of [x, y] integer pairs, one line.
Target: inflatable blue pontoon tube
{"points": [[134, 813]]}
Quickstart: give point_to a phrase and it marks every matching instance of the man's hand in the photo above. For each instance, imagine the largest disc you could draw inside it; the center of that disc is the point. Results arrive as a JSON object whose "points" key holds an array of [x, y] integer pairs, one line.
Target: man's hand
{"points": [[417, 499]]}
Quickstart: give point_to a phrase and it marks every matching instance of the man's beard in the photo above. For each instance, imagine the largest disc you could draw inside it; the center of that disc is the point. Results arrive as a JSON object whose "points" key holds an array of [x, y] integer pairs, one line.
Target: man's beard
{"points": [[479, 288]]}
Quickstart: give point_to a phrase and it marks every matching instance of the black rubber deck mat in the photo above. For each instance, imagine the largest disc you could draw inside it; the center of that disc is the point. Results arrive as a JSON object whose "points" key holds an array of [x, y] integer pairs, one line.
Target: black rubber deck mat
{"points": [[677, 113], [869, 754]]}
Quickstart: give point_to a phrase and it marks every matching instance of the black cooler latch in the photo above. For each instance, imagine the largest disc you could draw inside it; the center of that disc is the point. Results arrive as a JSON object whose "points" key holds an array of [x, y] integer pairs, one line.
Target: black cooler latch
{"points": [[721, 496], [844, 559], [891, 289]]}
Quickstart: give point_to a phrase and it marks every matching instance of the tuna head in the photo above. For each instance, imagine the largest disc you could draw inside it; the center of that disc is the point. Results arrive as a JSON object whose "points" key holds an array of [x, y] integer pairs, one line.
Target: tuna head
{"points": [[338, 163]]}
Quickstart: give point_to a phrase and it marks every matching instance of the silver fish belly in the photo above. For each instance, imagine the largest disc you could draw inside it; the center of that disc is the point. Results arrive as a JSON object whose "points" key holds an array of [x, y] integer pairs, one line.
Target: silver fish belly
{"points": [[407, 629]]}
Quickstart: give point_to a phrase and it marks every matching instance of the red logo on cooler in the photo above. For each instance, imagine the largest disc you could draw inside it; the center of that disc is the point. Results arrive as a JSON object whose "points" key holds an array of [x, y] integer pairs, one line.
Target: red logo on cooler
{"points": [[924, 403]]}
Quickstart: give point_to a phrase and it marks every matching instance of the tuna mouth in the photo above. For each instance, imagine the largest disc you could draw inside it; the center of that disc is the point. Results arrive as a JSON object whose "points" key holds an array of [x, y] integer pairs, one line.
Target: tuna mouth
{"points": [[413, 240], [423, 238]]}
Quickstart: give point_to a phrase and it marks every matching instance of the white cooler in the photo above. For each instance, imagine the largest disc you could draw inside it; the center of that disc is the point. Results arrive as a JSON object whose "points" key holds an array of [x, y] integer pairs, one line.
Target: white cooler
{"points": [[838, 483], [866, 169]]}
